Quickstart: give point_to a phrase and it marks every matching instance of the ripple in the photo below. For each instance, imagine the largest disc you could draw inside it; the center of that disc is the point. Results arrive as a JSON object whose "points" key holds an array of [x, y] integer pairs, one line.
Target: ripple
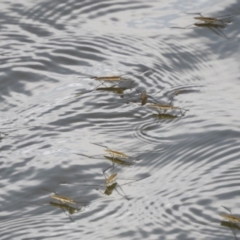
{"points": [[52, 113]]}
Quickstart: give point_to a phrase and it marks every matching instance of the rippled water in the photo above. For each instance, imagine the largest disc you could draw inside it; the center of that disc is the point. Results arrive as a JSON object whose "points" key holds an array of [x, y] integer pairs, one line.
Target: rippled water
{"points": [[50, 117]]}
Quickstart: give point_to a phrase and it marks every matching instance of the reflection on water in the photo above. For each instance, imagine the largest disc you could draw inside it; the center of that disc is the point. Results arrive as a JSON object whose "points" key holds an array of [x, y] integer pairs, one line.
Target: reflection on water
{"points": [[148, 75]]}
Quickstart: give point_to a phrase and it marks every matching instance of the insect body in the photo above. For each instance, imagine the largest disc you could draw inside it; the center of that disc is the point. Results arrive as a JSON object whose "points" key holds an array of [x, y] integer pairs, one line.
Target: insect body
{"points": [[111, 185], [111, 178], [109, 78], [117, 157], [62, 198], [116, 153], [231, 218], [117, 161]]}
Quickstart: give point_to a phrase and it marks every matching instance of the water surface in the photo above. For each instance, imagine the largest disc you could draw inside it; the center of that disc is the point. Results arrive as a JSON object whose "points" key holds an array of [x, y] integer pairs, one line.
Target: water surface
{"points": [[189, 164]]}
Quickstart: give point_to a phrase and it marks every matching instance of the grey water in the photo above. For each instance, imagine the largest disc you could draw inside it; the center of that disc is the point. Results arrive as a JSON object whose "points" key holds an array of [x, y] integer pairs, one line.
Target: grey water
{"points": [[57, 121]]}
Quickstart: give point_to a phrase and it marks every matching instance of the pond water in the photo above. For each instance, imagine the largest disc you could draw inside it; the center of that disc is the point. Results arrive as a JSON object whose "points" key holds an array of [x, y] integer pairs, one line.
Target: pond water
{"points": [[57, 121]]}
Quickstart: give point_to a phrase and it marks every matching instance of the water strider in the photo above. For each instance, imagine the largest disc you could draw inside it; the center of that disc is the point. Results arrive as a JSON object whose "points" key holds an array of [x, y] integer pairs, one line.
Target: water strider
{"points": [[166, 107], [111, 185], [144, 97], [115, 78], [117, 161], [214, 24], [63, 200], [222, 19], [115, 153], [116, 157], [233, 221]]}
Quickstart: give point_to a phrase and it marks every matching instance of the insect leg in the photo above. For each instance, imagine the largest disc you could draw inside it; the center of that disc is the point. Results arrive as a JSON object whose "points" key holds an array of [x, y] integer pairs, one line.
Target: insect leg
{"points": [[228, 209], [112, 166], [187, 26], [221, 35], [65, 212], [124, 196]]}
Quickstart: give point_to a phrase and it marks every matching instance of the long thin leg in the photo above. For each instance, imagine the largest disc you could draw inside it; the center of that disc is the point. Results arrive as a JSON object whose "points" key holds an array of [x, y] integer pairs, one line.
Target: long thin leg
{"points": [[65, 212], [124, 196], [221, 35], [227, 16], [184, 27], [100, 145], [155, 94], [133, 181], [112, 166], [93, 156], [228, 209]]}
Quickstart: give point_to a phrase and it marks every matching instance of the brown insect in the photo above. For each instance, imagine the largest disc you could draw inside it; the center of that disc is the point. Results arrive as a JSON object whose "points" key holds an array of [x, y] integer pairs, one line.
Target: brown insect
{"points": [[111, 185], [115, 78], [63, 202], [115, 153], [231, 218], [110, 78], [166, 107], [164, 116], [62, 198], [214, 24], [117, 157]]}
